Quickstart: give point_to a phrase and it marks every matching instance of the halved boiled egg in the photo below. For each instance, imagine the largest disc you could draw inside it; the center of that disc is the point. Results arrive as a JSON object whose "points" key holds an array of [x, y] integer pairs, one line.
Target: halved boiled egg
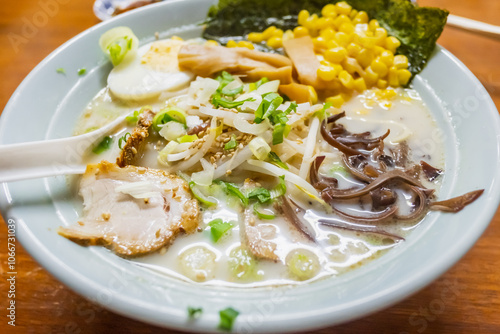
{"points": [[154, 69]]}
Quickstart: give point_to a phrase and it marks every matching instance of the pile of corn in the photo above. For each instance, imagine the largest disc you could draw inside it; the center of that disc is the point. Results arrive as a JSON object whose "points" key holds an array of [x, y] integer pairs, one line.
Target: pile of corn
{"points": [[355, 53]]}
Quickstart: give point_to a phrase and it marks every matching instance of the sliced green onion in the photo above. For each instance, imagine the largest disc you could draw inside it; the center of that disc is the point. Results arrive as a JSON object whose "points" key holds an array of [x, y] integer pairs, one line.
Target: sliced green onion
{"points": [[232, 143], [280, 188], [117, 43], [219, 101], [232, 92], [208, 201], [218, 228], [242, 264], [273, 105], [261, 194], [187, 139], [227, 318], [123, 139], [132, 120], [194, 313], [224, 78], [254, 85], [276, 160], [61, 70], [267, 214], [168, 114], [259, 147], [104, 145], [82, 71], [322, 114], [233, 189], [265, 105], [278, 134]]}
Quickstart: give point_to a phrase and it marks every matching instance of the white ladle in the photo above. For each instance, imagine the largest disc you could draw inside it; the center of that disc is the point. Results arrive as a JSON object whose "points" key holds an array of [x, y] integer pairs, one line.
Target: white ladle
{"points": [[50, 157]]}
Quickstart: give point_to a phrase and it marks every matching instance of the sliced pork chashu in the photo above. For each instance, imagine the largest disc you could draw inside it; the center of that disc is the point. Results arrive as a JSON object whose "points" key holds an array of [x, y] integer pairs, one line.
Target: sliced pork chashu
{"points": [[132, 210]]}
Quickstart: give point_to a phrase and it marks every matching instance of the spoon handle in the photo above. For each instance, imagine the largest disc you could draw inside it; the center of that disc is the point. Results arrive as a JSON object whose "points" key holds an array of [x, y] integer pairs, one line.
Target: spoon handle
{"points": [[481, 28]]}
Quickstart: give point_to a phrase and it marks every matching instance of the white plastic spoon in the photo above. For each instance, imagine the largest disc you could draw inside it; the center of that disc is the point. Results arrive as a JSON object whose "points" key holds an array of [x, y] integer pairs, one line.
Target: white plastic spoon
{"points": [[50, 157]]}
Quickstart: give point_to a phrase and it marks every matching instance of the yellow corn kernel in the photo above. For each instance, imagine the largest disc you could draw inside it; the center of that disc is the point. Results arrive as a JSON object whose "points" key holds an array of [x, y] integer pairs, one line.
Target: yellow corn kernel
{"points": [[346, 27], [278, 33], [275, 42], [373, 24], [336, 101], [400, 61], [246, 44], [300, 32], [388, 94], [379, 67], [353, 14], [341, 19], [351, 65], [330, 44], [329, 11], [336, 55], [176, 38], [393, 78], [361, 17], [368, 42], [255, 37], [321, 23], [302, 17], [343, 8], [288, 35], [382, 84], [326, 73], [404, 76], [211, 42], [392, 43], [269, 32], [346, 79], [319, 43], [231, 44], [327, 33], [329, 22], [353, 49], [359, 84], [378, 50], [365, 57], [380, 35], [313, 96], [370, 76], [312, 22], [387, 57], [342, 38]]}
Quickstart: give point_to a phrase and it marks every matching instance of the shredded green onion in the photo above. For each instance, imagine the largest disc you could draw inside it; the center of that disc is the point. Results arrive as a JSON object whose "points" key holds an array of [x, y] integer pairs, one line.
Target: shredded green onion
{"points": [[132, 120], [259, 147], [61, 70], [267, 214], [208, 201], [276, 160], [219, 101], [82, 71], [227, 318], [322, 114], [194, 313], [104, 145], [187, 139], [261, 194], [254, 85], [233, 189], [218, 228], [280, 188], [168, 114], [232, 143], [123, 139], [232, 92]]}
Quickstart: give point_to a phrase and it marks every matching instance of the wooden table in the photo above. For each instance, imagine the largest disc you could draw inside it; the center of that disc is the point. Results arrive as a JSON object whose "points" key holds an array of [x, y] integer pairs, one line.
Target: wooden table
{"points": [[45, 306]]}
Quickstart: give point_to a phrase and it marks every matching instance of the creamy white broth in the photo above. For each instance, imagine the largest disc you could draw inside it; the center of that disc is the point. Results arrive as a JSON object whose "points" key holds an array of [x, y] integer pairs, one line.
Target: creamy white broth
{"points": [[337, 250]]}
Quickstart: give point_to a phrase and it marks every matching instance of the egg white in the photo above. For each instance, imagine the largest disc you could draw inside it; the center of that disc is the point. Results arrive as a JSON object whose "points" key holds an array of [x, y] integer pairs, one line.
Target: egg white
{"points": [[136, 80]]}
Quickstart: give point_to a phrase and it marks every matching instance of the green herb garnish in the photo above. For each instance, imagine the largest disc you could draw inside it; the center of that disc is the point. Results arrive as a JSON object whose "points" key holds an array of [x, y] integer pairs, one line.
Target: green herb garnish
{"points": [[133, 119], [276, 160], [82, 71], [104, 145], [123, 139], [268, 214], [218, 228], [61, 70], [227, 318], [232, 143], [208, 201], [168, 114], [234, 190], [261, 194], [193, 312]]}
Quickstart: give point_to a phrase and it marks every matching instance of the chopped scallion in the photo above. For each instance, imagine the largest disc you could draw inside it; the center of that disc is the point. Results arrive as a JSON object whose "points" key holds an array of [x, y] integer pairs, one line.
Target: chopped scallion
{"points": [[208, 201], [232, 143], [227, 318], [168, 114], [263, 213], [261, 194], [104, 145], [61, 70], [276, 160], [123, 139], [194, 312], [233, 189], [187, 139], [218, 228], [82, 71]]}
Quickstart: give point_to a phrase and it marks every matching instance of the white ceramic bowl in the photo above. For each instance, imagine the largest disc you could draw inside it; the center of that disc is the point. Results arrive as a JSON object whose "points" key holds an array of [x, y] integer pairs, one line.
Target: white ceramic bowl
{"points": [[47, 104]]}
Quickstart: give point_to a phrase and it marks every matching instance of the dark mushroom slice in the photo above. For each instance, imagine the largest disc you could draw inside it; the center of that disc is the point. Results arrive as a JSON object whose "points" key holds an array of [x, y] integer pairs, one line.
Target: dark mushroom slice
{"points": [[430, 172], [457, 203], [337, 223], [355, 171], [421, 205], [318, 181], [291, 216], [374, 217], [330, 138]]}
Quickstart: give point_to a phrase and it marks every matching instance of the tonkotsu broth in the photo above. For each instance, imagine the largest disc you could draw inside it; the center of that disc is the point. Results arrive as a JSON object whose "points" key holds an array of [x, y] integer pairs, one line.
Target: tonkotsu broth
{"points": [[336, 250]]}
